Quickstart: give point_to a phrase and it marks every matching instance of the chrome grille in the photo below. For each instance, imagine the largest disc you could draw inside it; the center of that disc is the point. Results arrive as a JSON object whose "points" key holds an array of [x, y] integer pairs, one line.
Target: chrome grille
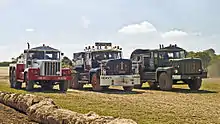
{"points": [[51, 68]]}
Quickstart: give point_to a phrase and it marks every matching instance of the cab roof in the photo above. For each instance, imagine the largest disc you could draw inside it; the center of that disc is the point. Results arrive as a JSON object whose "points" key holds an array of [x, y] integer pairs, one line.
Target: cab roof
{"points": [[43, 48], [170, 48]]}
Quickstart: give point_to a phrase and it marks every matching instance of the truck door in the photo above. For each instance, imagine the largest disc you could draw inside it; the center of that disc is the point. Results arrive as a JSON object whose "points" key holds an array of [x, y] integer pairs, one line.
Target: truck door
{"points": [[147, 61], [155, 60], [151, 67], [88, 61]]}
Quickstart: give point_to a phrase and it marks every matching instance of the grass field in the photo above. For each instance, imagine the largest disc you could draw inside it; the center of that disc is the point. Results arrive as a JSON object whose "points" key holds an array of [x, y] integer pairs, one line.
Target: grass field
{"points": [[144, 106]]}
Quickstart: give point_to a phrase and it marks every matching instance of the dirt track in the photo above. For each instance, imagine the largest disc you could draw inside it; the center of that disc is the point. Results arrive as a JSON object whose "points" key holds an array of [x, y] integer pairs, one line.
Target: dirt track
{"points": [[11, 116]]}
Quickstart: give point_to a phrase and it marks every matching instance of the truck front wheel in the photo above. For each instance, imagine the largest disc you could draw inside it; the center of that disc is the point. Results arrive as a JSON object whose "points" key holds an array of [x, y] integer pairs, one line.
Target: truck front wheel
{"points": [[29, 85], [128, 88], [18, 85], [195, 84], [63, 86], [75, 82], [96, 82], [13, 82], [153, 85], [165, 82]]}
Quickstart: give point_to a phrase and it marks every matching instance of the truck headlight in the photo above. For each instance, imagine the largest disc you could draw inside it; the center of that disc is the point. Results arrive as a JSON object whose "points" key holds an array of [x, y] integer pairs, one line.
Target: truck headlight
{"points": [[200, 70], [103, 71], [176, 71]]}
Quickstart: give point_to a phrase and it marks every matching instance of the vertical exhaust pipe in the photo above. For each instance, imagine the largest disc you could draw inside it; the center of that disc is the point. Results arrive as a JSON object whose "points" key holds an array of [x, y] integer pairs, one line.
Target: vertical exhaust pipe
{"points": [[27, 56], [28, 45]]}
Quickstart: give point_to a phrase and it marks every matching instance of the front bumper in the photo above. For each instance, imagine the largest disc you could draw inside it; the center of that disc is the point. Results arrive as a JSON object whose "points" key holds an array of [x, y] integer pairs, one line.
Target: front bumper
{"points": [[52, 78], [179, 77], [119, 80]]}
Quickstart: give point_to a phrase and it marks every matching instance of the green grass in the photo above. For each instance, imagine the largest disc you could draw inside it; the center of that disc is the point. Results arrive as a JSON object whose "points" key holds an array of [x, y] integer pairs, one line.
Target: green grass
{"points": [[144, 106]]}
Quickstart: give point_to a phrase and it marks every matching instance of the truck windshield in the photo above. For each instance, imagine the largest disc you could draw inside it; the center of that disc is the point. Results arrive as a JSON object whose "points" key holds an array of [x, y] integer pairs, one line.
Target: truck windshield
{"points": [[106, 55], [44, 55], [173, 55]]}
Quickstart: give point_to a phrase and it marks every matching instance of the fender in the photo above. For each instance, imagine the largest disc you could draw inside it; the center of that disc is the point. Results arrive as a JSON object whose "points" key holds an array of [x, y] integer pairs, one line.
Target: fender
{"points": [[92, 71], [168, 70]]}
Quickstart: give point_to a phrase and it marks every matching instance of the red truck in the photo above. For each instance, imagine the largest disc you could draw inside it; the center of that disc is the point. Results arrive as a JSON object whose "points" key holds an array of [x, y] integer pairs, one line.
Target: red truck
{"points": [[42, 66]]}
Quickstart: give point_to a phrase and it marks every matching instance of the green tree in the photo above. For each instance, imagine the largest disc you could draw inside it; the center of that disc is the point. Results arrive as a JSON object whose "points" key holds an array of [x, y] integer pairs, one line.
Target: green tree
{"points": [[204, 56], [66, 62]]}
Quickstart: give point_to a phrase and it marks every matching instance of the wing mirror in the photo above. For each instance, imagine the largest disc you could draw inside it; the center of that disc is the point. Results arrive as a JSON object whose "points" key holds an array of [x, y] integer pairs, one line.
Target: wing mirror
{"points": [[74, 60], [107, 68], [29, 62], [62, 54]]}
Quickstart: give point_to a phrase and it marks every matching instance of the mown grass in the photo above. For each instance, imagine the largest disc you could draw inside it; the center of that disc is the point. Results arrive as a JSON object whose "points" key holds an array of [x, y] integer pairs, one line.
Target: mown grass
{"points": [[144, 106]]}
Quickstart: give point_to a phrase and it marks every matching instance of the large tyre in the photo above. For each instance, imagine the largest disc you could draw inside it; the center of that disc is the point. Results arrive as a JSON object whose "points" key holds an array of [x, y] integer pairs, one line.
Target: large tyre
{"points": [[18, 85], [96, 83], [194, 84], [12, 78], [138, 86], [13, 82], [152, 85], [75, 82], [165, 81], [29, 85], [63, 86], [128, 88]]}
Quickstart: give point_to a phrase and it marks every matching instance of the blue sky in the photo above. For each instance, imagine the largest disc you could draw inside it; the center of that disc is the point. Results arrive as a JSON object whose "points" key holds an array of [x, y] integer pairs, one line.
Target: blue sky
{"points": [[69, 25]]}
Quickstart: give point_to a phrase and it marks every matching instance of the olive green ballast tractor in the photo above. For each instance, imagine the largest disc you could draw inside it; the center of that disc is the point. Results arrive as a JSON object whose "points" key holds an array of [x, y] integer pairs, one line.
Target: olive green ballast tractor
{"points": [[166, 66]]}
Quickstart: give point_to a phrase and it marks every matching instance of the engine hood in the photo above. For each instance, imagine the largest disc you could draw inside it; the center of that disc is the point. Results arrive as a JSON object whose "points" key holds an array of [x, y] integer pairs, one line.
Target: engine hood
{"points": [[187, 65], [118, 66]]}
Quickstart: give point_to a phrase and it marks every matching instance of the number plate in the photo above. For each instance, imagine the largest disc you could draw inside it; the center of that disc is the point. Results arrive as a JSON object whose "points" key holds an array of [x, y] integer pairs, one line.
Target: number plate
{"points": [[176, 76]]}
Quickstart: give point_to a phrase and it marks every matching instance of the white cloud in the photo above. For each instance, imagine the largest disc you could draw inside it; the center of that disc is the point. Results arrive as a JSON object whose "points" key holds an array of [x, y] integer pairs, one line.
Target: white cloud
{"points": [[173, 34], [85, 22], [197, 33], [50, 2], [29, 30], [143, 27]]}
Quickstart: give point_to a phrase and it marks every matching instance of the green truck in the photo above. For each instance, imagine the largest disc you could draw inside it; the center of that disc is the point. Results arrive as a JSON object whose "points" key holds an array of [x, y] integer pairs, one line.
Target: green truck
{"points": [[166, 66]]}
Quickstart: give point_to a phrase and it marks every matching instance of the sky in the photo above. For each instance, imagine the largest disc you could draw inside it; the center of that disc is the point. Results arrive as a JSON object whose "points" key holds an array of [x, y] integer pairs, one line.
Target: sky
{"points": [[70, 25]]}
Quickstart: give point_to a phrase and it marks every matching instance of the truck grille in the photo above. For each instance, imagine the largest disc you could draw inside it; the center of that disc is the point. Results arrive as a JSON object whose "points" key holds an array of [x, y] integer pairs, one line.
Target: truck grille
{"points": [[190, 66], [51, 68]]}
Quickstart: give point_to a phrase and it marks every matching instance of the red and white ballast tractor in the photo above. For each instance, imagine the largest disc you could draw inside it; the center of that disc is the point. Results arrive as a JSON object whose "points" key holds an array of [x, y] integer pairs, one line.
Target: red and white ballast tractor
{"points": [[41, 66]]}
